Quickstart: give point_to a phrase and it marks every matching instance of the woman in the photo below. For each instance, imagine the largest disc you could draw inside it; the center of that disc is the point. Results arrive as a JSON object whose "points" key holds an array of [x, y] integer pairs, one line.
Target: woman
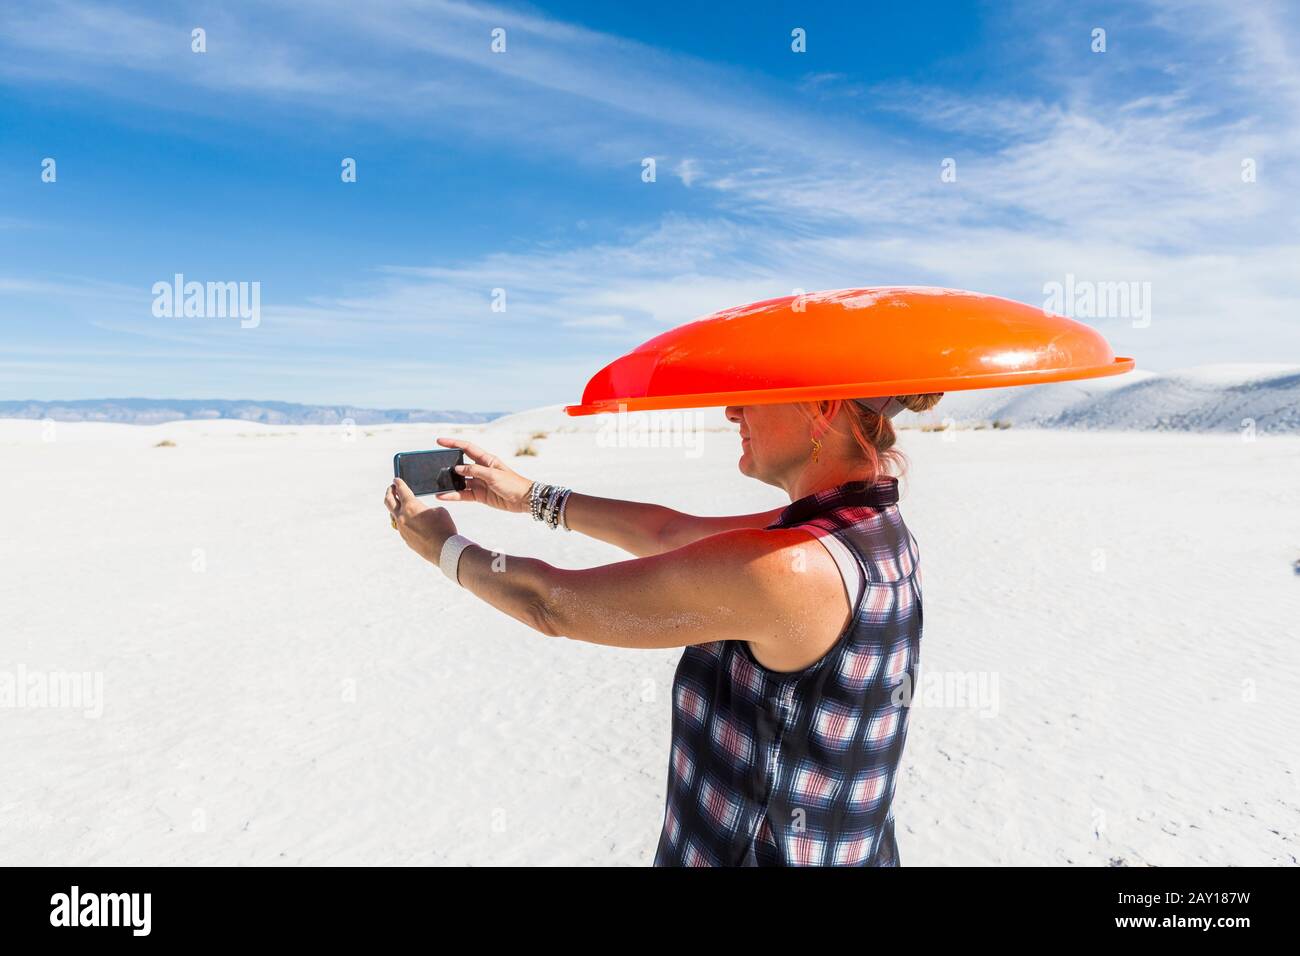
{"points": [[789, 702]]}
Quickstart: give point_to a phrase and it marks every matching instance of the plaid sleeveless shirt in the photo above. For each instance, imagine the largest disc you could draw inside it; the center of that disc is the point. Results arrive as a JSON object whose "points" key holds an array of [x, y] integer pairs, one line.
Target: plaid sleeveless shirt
{"points": [[798, 768]]}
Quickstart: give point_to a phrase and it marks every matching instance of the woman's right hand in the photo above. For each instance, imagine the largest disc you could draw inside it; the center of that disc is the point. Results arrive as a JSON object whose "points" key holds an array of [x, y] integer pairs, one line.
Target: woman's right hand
{"points": [[487, 479]]}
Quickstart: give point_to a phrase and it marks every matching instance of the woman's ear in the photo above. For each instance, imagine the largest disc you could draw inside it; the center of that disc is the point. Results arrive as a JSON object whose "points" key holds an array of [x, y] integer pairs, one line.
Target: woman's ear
{"points": [[827, 408]]}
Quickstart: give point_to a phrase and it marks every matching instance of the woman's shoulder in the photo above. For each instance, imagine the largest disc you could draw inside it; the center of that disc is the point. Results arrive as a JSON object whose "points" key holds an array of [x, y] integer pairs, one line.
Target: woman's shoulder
{"points": [[822, 585], [878, 538]]}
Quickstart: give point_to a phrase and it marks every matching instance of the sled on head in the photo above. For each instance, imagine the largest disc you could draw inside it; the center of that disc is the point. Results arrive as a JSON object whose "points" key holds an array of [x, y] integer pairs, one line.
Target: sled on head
{"points": [[850, 343]]}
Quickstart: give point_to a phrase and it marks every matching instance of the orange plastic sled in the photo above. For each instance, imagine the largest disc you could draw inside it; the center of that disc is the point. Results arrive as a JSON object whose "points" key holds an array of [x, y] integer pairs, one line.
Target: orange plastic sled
{"points": [[850, 343]]}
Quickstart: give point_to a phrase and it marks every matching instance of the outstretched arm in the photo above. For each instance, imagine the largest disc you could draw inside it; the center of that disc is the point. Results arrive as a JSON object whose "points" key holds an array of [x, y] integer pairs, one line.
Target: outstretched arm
{"points": [[777, 589], [634, 526], [637, 527], [683, 529], [648, 529]]}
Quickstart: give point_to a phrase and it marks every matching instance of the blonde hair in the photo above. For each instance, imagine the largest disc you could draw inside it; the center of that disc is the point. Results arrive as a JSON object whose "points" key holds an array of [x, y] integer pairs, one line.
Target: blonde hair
{"points": [[874, 432]]}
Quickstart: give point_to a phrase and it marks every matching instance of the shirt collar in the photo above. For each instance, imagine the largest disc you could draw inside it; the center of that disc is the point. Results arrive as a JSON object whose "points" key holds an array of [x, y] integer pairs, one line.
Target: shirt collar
{"points": [[878, 494]]}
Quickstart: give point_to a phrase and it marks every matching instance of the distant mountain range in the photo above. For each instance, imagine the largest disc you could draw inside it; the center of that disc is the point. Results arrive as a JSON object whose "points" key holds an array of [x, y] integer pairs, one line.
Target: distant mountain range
{"points": [[154, 411], [1243, 398], [1208, 398]]}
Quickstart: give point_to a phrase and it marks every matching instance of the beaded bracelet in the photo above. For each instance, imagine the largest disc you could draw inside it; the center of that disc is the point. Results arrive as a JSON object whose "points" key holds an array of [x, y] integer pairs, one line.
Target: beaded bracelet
{"points": [[534, 499], [546, 503]]}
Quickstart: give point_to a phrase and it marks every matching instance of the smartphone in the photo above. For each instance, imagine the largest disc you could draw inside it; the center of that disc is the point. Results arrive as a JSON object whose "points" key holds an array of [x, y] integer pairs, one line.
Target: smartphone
{"points": [[428, 472]]}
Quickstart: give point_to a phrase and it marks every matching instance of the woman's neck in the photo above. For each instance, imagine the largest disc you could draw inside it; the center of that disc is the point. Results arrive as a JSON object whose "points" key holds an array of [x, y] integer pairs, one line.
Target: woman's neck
{"points": [[815, 478]]}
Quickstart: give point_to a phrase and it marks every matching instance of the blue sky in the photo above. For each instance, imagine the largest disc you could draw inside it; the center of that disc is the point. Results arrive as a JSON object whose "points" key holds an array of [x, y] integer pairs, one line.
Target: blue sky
{"points": [[521, 170]]}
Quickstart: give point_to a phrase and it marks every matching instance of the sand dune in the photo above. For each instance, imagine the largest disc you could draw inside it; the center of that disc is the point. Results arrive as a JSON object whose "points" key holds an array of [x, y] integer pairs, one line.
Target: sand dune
{"points": [[1209, 398], [283, 682]]}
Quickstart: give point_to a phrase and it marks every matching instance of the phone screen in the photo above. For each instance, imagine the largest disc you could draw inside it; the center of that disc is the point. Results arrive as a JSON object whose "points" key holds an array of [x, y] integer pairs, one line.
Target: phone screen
{"points": [[427, 472]]}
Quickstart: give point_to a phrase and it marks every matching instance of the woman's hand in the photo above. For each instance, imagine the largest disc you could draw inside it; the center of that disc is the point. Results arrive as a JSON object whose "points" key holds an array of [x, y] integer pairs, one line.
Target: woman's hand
{"points": [[423, 528], [487, 480]]}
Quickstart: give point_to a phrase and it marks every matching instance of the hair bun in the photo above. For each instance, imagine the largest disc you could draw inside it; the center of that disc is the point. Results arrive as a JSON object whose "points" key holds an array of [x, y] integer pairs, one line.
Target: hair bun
{"points": [[919, 403]]}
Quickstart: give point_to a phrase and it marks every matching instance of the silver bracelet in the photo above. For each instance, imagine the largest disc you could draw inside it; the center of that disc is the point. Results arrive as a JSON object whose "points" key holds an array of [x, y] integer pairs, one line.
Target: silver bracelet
{"points": [[546, 503], [548, 513], [536, 494], [564, 504], [560, 498]]}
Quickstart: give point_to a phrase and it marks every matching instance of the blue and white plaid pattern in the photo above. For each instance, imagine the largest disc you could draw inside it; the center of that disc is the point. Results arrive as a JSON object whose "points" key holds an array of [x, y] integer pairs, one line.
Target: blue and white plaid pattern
{"points": [[798, 769]]}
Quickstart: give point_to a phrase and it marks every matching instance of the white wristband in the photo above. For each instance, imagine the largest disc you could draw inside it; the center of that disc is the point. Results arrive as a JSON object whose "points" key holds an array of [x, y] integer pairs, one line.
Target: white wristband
{"points": [[449, 559]]}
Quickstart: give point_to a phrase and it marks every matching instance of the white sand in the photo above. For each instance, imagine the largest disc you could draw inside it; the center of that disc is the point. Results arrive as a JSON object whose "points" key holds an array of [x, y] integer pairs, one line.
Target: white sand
{"points": [[1131, 594]]}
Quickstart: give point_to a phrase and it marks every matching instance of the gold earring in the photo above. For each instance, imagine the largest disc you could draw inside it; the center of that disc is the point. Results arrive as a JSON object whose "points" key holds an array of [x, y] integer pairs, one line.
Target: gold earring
{"points": [[817, 447]]}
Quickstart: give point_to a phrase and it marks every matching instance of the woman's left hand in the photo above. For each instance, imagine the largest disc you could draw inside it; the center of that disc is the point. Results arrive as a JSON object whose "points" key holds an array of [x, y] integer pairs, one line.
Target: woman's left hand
{"points": [[424, 529]]}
